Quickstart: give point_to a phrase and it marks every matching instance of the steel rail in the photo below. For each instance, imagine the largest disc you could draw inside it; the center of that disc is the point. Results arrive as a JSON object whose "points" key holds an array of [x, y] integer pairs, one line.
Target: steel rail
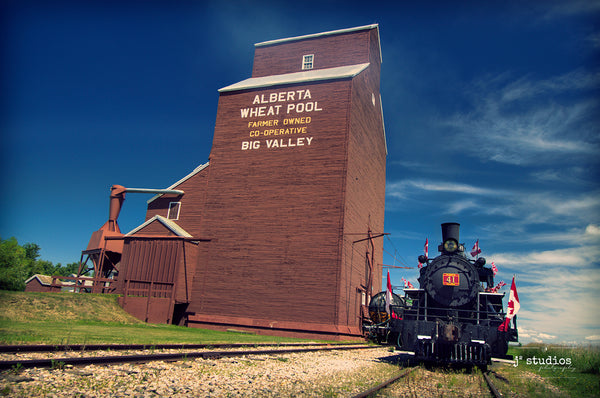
{"points": [[395, 378], [491, 386], [122, 347], [80, 361], [383, 385]]}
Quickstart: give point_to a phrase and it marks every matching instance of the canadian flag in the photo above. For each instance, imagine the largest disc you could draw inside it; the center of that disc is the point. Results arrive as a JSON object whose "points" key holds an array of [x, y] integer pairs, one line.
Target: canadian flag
{"points": [[494, 268], [512, 308], [388, 294], [476, 249]]}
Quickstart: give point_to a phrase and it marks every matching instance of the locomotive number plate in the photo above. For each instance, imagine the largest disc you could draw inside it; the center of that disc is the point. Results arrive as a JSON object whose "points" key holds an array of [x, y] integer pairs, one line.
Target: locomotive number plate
{"points": [[450, 280]]}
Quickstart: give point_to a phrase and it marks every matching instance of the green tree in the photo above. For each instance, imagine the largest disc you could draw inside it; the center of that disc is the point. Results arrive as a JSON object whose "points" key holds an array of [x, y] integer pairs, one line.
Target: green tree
{"points": [[41, 267], [32, 251], [14, 265], [66, 270], [19, 263]]}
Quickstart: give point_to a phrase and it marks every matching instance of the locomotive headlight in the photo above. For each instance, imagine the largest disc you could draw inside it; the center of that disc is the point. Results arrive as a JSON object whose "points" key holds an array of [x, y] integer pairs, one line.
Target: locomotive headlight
{"points": [[450, 245]]}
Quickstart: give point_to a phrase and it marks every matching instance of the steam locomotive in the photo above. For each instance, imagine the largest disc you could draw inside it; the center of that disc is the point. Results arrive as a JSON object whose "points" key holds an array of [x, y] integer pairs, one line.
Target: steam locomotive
{"points": [[451, 318]]}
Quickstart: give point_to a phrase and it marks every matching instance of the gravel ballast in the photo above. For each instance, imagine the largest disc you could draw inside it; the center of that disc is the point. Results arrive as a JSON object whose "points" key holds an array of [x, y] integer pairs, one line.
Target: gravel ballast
{"points": [[317, 374]]}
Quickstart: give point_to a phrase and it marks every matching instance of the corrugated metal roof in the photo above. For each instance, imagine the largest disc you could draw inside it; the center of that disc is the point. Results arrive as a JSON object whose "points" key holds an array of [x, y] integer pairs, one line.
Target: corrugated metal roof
{"points": [[329, 33], [311, 36], [172, 226], [339, 72], [193, 173]]}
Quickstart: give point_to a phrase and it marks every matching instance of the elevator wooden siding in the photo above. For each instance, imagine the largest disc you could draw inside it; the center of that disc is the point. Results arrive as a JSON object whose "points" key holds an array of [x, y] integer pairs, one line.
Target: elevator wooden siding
{"points": [[351, 48], [277, 216], [365, 195], [282, 221], [192, 203]]}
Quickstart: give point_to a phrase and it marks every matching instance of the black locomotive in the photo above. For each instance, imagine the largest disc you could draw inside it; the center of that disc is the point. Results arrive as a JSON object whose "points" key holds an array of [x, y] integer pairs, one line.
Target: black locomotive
{"points": [[452, 318]]}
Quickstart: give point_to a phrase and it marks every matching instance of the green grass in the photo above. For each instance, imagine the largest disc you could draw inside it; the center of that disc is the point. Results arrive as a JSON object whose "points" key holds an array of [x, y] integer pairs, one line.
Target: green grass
{"points": [[574, 370], [74, 318]]}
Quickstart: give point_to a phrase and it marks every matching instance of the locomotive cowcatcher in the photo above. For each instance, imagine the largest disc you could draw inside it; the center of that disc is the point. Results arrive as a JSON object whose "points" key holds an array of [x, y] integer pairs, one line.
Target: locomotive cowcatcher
{"points": [[451, 318]]}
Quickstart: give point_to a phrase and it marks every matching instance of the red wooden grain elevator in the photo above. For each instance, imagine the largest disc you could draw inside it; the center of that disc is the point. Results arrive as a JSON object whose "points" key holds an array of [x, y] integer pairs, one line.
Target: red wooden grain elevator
{"points": [[280, 232]]}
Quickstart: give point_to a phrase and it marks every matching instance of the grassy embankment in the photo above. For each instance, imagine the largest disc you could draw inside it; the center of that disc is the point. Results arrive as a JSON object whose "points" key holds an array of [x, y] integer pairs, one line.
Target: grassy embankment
{"points": [[70, 318], [564, 371]]}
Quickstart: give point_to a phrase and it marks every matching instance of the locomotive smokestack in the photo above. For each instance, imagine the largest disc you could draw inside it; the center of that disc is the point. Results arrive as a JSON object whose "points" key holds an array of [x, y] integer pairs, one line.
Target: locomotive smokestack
{"points": [[450, 230]]}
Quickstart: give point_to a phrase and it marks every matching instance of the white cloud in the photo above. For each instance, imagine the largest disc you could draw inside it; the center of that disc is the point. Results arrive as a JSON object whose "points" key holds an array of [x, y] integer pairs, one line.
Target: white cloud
{"points": [[558, 291], [594, 39], [593, 338], [545, 336], [575, 256], [557, 9], [575, 175], [558, 288], [572, 81], [398, 189], [563, 209], [527, 121], [462, 205], [590, 235], [592, 230], [529, 335]]}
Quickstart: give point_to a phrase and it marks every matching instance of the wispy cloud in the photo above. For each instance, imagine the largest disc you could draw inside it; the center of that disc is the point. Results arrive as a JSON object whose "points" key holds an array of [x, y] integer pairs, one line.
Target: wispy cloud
{"points": [[574, 236], [564, 209], [557, 288], [525, 88], [528, 121], [398, 189], [576, 174], [558, 9], [570, 257]]}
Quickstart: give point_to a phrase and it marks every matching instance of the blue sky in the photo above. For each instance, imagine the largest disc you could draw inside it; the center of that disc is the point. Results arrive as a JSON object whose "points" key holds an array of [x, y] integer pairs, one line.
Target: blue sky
{"points": [[491, 112]]}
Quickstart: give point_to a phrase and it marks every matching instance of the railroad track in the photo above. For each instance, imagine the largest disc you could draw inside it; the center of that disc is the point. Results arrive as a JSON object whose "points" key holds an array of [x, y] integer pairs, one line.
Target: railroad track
{"points": [[383, 385], [141, 358], [123, 347], [491, 386], [405, 372]]}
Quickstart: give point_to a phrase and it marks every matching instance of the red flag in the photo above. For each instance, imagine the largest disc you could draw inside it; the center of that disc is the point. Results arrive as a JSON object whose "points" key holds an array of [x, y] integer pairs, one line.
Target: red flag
{"points": [[388, 294], [407, 284], [494, 268], [495, 288], [388, 298], [476, 249], [512, 308]]}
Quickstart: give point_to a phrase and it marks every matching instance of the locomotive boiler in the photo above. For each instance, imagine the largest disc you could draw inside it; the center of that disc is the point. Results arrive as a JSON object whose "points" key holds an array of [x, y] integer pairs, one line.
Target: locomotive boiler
{"points": [[455, 315]]}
